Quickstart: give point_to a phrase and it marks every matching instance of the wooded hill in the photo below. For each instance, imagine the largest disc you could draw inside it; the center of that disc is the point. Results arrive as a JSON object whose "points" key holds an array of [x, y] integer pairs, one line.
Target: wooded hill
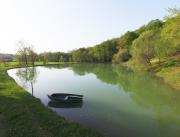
{"points": [[158, 41]]}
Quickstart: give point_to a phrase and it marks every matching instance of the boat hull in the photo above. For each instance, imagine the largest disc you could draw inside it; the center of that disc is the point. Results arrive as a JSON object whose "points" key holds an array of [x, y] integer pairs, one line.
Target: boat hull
{"points": [[62, 99]]}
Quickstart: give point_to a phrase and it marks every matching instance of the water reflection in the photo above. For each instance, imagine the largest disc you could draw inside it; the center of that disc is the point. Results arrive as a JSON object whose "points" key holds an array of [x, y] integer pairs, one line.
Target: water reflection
{"points": [[118, 101], [64, 105], [27, 77], [147, 91]]}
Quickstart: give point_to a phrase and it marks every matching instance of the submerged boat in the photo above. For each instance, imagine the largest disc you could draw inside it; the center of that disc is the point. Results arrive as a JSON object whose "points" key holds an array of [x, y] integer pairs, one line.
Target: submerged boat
{"points": [[66, 98]]}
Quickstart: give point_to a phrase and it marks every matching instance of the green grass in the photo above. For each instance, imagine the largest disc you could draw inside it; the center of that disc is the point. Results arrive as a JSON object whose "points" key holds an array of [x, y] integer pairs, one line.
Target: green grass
{"points": [[22, 115], [171, 75], [169, 71]]}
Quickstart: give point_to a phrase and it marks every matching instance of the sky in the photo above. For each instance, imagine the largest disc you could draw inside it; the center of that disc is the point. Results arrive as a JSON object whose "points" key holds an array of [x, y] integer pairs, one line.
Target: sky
{"points": [[64, 25]]}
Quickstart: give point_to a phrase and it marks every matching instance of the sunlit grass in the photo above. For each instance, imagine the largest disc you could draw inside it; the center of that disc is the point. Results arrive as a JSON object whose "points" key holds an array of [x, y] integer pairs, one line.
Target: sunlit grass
{"points": [[169, 70], [171, 75]]}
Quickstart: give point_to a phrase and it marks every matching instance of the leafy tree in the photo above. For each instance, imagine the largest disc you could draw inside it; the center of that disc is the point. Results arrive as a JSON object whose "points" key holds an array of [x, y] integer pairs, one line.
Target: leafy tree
{"points": [[104, 52], [122, 56], [124, 45], [54, 57], [25, 54], [152, 25], [143, 48], [161, 50], [171, 34], [126, 40], [46, 58], [173, 12], [81, 55]]}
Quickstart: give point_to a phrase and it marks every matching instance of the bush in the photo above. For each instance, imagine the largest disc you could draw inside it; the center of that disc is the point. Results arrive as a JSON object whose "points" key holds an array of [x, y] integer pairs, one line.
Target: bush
{"points": [[122, 56]]}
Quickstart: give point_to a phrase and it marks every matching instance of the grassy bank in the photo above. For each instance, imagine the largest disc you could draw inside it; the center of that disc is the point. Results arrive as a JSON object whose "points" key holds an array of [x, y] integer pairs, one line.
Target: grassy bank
{"points": [[22, 115], [169, 71], [171, 76]]}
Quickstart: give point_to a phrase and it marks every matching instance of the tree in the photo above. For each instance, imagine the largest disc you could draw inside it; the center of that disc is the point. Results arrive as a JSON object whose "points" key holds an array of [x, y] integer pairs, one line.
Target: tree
{"points": [[124, 45], [161, 50], [61, 59], [81, 55], [152, 25], [25, 54], [45, 58], [104, 52], [54, 57], [126, 40], [32, 56], [171, 34], [173, 12], [122, 56], [143, 48]]}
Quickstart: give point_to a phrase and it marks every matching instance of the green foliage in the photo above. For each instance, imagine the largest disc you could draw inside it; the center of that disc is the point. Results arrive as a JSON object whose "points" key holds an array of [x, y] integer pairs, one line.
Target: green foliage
{"points": [[122, 56], [173, 12], [171, 34], [161, 50], [105, 51], [124, 45], [152, 25], [25, 54], [54, 57], [126, 40], [81, 55], [156, 40], [143, 48], [99, 53]]}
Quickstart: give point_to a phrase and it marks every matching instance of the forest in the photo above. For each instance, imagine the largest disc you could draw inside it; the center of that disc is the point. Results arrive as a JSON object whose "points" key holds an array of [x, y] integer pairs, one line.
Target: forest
{"points": [[157, 42]]}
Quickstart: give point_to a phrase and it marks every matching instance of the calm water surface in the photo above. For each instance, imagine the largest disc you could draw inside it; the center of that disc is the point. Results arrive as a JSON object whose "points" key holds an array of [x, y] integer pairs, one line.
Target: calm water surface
{"points": [[117, 102]]}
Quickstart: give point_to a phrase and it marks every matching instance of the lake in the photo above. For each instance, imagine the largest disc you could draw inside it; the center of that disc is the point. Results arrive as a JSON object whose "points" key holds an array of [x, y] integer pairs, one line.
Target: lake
{"points": [[118, 102]]}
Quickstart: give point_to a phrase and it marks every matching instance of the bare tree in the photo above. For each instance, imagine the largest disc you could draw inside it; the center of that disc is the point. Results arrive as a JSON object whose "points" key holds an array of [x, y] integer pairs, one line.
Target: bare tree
{"points": [[25, 54]]}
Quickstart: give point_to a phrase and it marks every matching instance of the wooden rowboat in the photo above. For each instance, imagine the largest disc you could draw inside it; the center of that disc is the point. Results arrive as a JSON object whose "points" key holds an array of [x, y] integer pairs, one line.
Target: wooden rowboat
{"points": [[65, 98]]}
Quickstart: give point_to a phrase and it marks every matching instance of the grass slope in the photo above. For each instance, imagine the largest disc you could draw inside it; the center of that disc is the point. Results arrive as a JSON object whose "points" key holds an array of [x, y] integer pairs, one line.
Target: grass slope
{"points": [[169, 71], [22, 115], [171, 75]]}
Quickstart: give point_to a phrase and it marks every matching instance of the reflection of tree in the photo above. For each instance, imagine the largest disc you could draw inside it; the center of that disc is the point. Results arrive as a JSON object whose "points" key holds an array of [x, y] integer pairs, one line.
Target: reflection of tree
{"points": [[102, 71], [58, 66], [145, 90], [152, 94], [27, 75]]}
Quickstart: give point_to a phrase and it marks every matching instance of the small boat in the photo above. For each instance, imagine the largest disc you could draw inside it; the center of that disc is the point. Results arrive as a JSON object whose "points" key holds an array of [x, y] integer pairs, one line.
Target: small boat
{"points": [[66, 98]]}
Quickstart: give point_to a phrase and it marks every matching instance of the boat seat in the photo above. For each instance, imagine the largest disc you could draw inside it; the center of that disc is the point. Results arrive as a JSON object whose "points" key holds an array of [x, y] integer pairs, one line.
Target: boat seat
{"points": [[66, 98]]}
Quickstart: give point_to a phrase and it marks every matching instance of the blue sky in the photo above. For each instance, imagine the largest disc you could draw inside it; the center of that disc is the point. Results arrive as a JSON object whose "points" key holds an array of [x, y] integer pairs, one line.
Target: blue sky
{"points": [[63, 25]]}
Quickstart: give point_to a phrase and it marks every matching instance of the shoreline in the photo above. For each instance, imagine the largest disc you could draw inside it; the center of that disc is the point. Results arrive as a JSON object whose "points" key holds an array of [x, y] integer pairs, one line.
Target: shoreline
{"points": [[24, 115], [19, 117]]}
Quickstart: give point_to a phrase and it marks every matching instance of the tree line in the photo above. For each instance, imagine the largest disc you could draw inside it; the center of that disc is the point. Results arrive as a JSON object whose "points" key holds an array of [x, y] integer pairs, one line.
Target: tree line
{"points": [[99, 53], [157, 40]]}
